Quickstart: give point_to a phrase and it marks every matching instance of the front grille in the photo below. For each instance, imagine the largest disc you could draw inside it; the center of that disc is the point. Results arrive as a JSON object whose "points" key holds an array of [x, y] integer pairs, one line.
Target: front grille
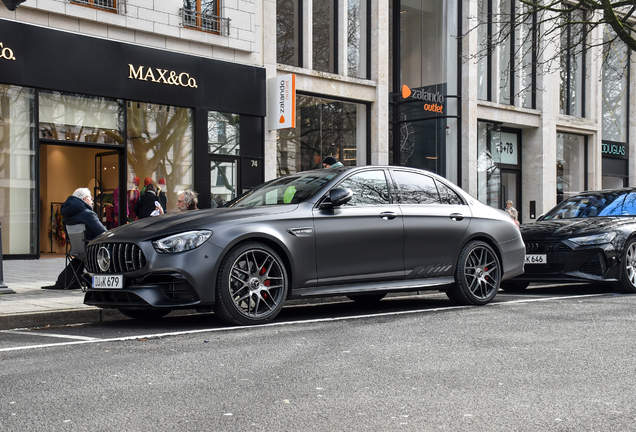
{"points": [[557, 254], [593, 266], [124, 257]]}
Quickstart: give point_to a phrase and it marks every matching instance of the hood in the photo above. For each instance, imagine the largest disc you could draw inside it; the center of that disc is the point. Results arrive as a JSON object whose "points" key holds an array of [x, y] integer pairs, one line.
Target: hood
{"points": [[159, 226], [73, 206], [567, 228]]}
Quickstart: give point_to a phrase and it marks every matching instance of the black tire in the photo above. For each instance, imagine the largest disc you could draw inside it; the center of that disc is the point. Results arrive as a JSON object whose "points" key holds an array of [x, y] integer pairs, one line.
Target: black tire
{"points": [[628, 268], [478, 275], [145, 314], [251, 286], [367, 298], [514, 287]]}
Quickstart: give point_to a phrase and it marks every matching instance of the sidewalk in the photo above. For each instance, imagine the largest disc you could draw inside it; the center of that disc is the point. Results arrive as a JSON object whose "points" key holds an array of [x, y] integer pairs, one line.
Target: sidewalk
{"points": [[32, 306]]}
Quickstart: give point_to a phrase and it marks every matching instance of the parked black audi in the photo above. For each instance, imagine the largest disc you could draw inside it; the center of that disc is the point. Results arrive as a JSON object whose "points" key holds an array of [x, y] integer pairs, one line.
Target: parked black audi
{"points": [[360, 232], [589, 237]]}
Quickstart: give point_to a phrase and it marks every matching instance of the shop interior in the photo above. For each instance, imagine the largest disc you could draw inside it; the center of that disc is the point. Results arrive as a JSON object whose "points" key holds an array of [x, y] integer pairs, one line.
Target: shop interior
{"points": [[62, 170]]}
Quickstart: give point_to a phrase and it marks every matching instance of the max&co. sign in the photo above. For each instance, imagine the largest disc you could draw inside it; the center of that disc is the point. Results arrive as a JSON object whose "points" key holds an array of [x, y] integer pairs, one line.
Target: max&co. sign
{"points": [[6, 53], [435, 101], [162, 76]]}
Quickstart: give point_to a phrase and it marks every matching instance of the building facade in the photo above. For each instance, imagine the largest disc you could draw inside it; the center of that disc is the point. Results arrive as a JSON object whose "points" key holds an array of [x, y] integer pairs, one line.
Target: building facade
{"points": [[107, 93]]}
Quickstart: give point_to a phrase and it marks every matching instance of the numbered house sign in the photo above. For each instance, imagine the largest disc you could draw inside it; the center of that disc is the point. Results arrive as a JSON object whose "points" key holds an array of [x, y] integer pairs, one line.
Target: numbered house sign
{"points": [[508, 148]]}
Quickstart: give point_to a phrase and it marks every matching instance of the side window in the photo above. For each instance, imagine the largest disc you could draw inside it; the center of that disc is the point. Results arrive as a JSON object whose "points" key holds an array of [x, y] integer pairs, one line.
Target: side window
{"points": [[447, 195], [369, 188], [416, 188]]}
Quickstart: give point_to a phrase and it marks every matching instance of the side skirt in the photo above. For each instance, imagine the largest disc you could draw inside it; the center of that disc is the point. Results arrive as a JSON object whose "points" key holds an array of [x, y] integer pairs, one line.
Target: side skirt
{"points": [[389, 286]]}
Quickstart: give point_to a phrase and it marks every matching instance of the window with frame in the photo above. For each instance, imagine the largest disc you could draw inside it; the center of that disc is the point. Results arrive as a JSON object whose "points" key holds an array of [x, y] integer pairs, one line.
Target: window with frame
{"points": [[203, 15], [368, 187], [572, 71], [107, 5], [323, 37], [511, 64]]}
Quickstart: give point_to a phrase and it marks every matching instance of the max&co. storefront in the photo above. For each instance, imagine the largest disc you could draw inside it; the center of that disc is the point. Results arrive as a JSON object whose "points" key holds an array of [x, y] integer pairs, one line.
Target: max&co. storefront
{"points": [[77, 111]]}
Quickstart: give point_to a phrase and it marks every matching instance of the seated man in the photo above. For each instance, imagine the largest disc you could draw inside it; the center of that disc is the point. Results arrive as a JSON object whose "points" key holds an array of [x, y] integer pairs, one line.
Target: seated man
{"points": [[78, 209]]}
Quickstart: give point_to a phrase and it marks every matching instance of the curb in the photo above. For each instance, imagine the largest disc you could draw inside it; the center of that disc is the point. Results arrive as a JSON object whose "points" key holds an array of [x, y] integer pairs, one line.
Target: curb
{"points": [[58, 318]]}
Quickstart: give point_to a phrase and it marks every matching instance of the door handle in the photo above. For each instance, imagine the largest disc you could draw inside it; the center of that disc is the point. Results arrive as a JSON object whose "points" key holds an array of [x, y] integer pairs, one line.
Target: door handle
{"points": [[456, 216], [388, 215]]}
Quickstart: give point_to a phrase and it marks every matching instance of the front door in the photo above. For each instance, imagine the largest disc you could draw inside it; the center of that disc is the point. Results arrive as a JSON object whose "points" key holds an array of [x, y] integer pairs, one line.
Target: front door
{"points": [[223, 180], [511, 189], [362, 240]]}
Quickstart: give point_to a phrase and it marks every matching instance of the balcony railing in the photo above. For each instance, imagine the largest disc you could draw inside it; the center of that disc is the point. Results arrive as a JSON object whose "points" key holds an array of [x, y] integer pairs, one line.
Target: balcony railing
{"points": [[115, 6], [209, 23]]}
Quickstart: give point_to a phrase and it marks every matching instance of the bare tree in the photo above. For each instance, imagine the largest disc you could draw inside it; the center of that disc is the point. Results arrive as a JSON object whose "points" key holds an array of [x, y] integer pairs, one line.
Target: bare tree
{"points": [[534, 21]]}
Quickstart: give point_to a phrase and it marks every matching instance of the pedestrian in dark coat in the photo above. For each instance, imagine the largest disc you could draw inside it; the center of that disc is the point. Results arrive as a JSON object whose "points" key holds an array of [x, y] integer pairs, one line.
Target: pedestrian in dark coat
{"points": [[146, 203]]}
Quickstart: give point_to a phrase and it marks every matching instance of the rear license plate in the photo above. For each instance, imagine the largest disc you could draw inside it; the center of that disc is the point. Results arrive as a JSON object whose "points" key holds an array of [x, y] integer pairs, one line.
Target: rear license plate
{"points": [[537, 259], [108, 282]]}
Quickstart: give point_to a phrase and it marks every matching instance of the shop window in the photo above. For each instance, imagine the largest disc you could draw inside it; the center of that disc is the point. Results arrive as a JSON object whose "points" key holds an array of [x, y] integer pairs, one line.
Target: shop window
{"points": [[324, 127], [160, 143], [204, 15], [571, 165], [107, 5], [17, 171], [572, 59], [425, 87], [488, 160], [80, 118], [223, 133], [510, 65]]}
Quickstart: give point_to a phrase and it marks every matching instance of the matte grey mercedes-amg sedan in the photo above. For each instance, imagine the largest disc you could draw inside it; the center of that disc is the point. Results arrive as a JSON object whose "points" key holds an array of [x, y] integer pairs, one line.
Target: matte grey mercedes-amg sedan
{"points": [[360, 232]]}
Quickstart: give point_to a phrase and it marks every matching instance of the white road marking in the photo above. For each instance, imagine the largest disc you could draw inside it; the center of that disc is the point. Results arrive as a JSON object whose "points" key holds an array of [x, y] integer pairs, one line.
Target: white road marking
{"points": [[62, 336], [279, 324]]}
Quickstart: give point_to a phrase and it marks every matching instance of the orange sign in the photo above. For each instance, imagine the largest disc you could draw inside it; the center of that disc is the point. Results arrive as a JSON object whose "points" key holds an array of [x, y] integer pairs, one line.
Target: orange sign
{"points": [[435, 100]]}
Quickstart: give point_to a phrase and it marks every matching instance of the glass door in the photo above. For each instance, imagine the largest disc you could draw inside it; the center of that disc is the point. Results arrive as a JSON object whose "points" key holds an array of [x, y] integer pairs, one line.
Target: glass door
{"points": [[223, 180]]}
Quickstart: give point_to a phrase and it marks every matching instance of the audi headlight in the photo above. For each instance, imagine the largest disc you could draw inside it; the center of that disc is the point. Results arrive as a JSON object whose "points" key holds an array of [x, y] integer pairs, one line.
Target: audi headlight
{"points": [[181, 242], [595, 239]]}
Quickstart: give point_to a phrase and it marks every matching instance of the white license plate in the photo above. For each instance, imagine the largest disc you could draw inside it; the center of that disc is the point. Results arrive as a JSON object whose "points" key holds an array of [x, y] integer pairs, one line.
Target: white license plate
{"points": [[108, 282], [537, 259]]}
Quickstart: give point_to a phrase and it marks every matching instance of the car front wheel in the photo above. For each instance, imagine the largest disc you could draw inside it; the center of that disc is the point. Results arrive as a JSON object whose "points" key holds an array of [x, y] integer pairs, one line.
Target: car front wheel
{"points": [[477, 276], [628, 278], [251, 286]]}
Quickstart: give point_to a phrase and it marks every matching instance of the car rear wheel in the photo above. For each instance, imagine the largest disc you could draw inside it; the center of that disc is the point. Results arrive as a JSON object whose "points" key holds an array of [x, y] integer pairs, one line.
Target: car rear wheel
{"points": [[144, 314], [628, 278], [477, 276], [252, 285], [367, 298]]}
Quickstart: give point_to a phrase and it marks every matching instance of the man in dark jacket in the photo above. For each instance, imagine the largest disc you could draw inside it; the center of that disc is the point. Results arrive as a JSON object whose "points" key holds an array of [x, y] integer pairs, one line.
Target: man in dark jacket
{"points": [[146, 204], [78, 209]]}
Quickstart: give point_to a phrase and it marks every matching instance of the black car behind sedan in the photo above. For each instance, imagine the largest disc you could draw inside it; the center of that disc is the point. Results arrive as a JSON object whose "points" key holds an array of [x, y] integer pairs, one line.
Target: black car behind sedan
{"points": [[360, 232], [589, 237]]}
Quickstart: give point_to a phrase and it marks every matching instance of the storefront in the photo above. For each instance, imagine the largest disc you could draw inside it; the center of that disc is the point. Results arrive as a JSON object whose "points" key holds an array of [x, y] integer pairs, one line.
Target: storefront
{"points": [[77, 111], [499, 165]]}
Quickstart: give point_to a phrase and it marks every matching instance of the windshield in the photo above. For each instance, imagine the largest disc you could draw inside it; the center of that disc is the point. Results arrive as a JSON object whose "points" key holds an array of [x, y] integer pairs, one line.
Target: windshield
{"points": [[622, 203], [291, 189]]}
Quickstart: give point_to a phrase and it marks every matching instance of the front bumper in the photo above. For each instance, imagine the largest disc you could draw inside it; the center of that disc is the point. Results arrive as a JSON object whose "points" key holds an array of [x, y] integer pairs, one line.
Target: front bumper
{"points": [[569, 262]]}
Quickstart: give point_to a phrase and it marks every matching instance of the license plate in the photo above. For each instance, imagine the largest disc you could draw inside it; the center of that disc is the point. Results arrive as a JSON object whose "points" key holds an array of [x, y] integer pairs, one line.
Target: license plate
{"points": [[537, 259], [108, 282]]}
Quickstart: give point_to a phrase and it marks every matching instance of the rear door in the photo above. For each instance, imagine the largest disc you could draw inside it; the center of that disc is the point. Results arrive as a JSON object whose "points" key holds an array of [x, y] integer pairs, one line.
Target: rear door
{"points": [[435, 222], [362, 240]]}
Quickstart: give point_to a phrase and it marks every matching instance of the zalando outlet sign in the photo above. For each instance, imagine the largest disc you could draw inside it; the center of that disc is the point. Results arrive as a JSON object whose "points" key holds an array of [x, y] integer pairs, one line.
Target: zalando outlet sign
{"points": [[434, 101]]}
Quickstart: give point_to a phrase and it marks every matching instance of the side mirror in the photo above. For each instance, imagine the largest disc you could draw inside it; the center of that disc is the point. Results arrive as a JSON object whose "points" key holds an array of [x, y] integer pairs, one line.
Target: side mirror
{"points": [[337, 197]]}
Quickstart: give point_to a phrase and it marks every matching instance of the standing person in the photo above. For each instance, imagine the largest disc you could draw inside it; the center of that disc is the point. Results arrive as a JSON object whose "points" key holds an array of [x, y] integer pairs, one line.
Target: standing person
{"points": [[133, 197], [163, 200], [331, 162], [187, 200], [514, 214], [78, 209], [146, 204]]}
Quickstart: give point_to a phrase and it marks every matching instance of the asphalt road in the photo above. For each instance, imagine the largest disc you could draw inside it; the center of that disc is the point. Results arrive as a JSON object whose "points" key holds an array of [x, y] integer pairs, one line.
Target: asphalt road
{"points": [[551, 359]]}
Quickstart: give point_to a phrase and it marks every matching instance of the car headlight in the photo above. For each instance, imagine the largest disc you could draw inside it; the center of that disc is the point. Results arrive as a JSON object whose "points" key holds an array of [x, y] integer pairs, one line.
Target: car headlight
{"points": [[181, 242], [595, 239]]}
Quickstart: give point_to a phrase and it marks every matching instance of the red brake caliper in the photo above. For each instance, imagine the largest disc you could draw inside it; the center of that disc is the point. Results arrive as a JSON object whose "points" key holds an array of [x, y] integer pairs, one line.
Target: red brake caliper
{"points": [[265, 282]]}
